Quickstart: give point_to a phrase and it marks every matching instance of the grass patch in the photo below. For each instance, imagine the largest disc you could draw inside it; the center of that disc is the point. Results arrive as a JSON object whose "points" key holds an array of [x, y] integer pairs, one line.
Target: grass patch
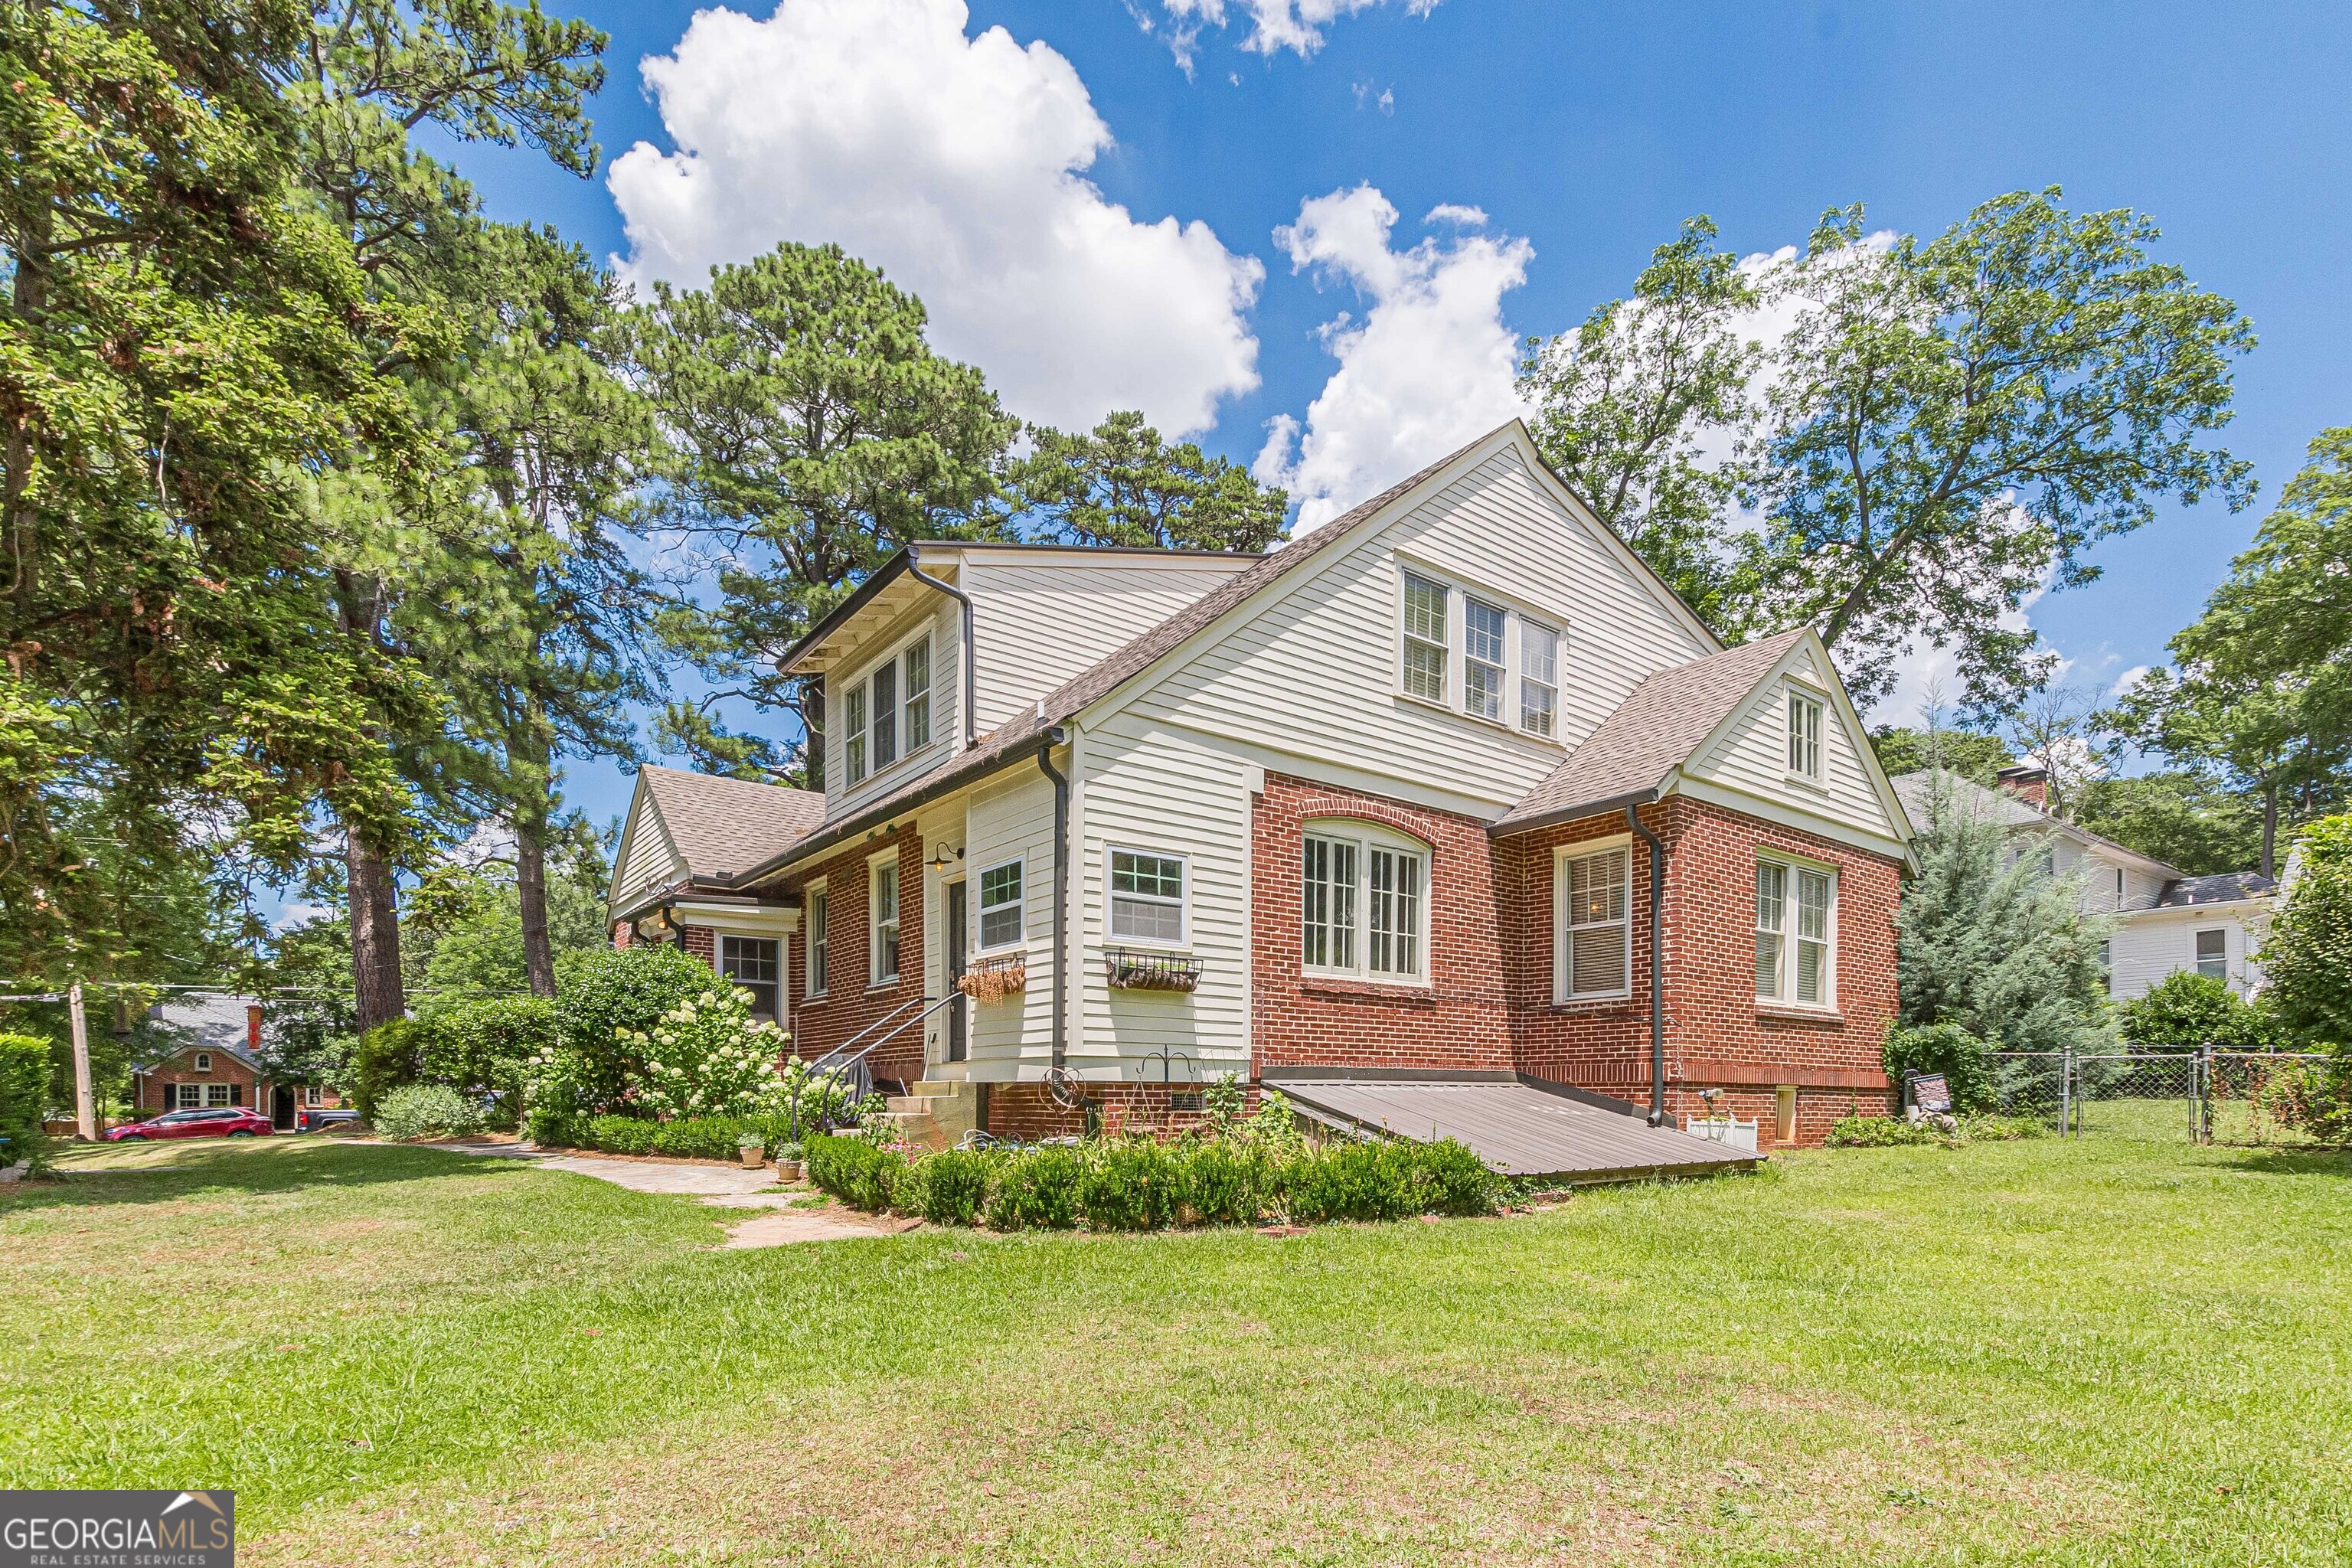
{"points": [[2106, 1350]]}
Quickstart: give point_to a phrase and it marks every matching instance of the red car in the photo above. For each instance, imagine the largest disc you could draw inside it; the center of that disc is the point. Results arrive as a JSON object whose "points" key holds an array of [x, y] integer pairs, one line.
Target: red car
{"points": [[219, 1121]]}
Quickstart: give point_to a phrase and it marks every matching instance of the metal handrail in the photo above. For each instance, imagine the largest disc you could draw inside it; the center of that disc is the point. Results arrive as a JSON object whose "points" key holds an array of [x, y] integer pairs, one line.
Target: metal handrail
{"points": [[827, 1070]]}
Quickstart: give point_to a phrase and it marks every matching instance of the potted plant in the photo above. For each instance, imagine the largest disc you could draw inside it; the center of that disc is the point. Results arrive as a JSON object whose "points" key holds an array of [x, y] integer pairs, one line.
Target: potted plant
{"points": [[753, 1148], [788, 1162]]}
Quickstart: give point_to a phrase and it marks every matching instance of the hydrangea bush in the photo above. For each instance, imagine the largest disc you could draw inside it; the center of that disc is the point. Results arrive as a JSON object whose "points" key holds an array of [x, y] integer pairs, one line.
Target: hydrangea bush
{"points": [[709, 1057]]}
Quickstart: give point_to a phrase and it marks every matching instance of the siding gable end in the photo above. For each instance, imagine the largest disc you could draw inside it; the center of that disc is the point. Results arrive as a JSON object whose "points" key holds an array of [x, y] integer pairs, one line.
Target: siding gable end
{"points": [[1748, 752]]}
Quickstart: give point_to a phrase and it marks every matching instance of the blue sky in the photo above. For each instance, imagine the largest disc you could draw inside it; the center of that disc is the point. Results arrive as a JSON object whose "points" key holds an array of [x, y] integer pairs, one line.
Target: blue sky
{"points": [[1582, 134]]}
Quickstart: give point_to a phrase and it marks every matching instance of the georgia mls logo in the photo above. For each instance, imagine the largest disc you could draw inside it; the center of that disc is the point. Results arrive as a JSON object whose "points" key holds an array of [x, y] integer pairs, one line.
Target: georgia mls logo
{"points": [[117, 1530]]}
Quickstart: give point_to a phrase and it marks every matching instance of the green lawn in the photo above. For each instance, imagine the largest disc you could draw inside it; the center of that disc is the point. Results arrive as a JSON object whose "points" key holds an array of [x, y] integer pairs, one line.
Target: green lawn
{"points": [[2115, 1351]]}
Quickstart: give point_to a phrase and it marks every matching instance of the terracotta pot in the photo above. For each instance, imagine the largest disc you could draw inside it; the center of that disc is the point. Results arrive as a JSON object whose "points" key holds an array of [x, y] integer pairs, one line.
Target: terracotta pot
{"points": [[788, 1170], [753, 1157]]}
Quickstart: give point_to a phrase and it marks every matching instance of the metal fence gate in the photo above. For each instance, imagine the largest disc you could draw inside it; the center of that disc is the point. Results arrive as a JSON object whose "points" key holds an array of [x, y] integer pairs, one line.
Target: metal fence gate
{"points": [[2201, 1095]]}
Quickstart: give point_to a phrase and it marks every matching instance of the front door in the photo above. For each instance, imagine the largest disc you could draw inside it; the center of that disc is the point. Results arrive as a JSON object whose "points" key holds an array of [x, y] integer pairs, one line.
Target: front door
{"points": [[281, 1107], [959, 1030]]}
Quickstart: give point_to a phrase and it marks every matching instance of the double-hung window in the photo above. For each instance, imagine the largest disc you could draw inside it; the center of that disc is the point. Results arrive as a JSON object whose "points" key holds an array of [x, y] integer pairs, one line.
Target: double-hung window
{"points": [[886, 715], [1539, 680], [1001, 924], [2213, 954], [1482, 660], [853, 761], [1795, 945], [882, 909], [916, 701], [1592, 951], [1804, 735], [817, 945], [1363, 903], [751, 962], [1425, 641], [1147, 897]]}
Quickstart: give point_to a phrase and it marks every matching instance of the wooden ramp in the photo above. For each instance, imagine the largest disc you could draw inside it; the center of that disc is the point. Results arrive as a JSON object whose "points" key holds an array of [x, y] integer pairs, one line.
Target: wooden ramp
{"points": [[1518, 1126]]}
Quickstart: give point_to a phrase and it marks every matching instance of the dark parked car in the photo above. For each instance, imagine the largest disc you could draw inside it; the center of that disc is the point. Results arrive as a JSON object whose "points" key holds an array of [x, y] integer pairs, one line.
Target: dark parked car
{"points": [[219, 1121], [311, 1118]]}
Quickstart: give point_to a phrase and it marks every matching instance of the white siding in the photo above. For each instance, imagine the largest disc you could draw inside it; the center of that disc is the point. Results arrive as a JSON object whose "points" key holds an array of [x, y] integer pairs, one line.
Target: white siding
{"points": [[1315, 675], [1155, 790], [651, 861], [1752, 756], [947, 693], [2151, 945], [1015, 817], [1037, 621]]}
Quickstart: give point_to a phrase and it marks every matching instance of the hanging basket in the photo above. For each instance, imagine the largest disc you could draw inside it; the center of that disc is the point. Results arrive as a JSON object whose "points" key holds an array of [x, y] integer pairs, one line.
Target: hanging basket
{"points": [[1130, 970], [993, 979]]}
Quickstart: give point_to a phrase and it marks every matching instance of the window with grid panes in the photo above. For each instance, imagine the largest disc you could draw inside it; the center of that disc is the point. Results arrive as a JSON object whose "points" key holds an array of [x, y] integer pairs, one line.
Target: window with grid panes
{"points": [[1147, 896], [1595, 955], [1482, 660], [1424, 639]]}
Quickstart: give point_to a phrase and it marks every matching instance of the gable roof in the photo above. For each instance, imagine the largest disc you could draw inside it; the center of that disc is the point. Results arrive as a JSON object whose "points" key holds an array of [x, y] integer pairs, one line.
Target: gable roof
{"points": [[721, 827], [2228, 888], [1918, 791], [1653, 731], [200, 1021]]}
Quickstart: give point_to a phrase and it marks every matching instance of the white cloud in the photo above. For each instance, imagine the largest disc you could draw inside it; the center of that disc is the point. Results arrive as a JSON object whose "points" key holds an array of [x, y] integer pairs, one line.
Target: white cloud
{"points": [[1430, 366], [2128, 681], [956, 165], [1274, 24]]}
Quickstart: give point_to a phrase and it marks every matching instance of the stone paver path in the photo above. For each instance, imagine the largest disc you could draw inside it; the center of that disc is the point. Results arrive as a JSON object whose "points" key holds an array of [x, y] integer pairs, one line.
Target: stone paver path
{"points": [[722, 1187]]}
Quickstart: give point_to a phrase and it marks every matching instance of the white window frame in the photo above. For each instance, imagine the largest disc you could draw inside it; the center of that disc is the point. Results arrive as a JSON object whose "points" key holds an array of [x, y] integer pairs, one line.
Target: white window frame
{"points": [[914, 706], [852, 736], [1499, 666], [219, 1096], [981, 909], [1620, 845], [818, 907], [2197, 958], [861, 741], [1811, 768], [186, 1096], [1367, 839], [775, 986], [1407, 577], [204, 1061], [1794, 867], [1528, 683], [1183, 900], [875, 870]]}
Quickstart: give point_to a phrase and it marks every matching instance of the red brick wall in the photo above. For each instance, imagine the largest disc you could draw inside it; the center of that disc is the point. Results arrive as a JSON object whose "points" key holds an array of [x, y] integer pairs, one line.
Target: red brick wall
{"points": [[181, 1068], [850, 1004], [1457, 1020], [702, 942], [1025, 1111]]}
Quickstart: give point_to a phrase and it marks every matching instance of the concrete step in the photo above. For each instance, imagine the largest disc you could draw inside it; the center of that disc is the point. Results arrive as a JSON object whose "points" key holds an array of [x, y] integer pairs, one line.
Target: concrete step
{"points": [[936, 1088], [917, 1127], [911, 1103]]}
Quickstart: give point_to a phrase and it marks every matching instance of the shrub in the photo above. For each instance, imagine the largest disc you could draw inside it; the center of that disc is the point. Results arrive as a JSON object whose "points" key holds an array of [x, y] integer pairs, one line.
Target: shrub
{"points": [[2307, 958], [1353, 1182], [717, 1137], [854, 1171], [947, 1188], [621, 1135], [1878, 1132], [1448, 1179], [2186, 1010], [603, 999], [1228, 1183], [425, 1110], [1128, 1185], [388, 1056], [1036, 1189], [1949, 1050], [1225, 1100], [24, 1099], [2002, 1129], [706, 1056], [486, 1046]]}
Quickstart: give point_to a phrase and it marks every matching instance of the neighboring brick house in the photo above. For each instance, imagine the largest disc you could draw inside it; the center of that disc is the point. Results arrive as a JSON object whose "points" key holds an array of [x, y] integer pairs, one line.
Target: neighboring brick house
{"points": [[1379, 806], [211, 1056]]}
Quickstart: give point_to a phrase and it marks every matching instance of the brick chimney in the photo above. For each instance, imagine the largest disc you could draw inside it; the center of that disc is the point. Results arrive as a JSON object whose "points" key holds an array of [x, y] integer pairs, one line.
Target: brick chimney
{"points": [[252, 1025], [2028, 784]]}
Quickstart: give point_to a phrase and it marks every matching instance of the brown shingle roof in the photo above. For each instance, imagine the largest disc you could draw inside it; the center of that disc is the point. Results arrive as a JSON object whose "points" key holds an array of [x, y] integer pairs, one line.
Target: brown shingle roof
{"points": [[1651, 732], [1025, 733], [725, 826]]}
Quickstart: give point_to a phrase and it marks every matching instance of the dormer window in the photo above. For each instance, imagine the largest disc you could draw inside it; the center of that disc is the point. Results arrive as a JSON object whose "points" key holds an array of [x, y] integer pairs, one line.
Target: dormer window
{"points": [[1804, 735], [887, 715], [1498, 644], [854, 733]]}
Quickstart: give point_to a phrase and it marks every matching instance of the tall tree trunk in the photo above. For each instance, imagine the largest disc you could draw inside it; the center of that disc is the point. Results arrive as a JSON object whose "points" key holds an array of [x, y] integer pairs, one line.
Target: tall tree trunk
{"points": [[375, 934], [2270, 828], [29, 299], [534, 796]]}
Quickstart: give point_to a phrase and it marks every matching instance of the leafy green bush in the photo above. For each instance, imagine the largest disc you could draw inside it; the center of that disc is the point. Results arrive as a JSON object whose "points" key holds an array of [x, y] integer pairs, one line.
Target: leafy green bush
{"points": [[24, 1099], [485, 1046], [2185, 1009], [603, 999], [1128, 1185], [1227, 1182], [388, 1056], [706, 1056], [947, 1188], [1448, 1179], [2307, 958], [621, 1135], [1036, 1189], [1353, 1181], [1878, 1132], [425, 1110], [853, 1170], [717, 1137], [1949, 1050], [2002, 1129]]}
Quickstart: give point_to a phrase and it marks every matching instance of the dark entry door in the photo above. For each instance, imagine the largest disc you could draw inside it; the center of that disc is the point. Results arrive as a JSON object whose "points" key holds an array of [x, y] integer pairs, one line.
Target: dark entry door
{"points": [[959, 1029], [281, 1107]]}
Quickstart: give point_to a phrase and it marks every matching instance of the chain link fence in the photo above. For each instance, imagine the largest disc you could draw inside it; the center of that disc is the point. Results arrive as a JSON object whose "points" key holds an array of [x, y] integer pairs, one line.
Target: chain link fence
{"points": [[2273, 1098]]}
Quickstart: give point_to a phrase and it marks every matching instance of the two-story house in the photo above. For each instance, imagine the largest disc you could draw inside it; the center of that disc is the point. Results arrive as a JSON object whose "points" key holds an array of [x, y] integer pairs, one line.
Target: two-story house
{"points": [[2163, 921], [1451, 791]]}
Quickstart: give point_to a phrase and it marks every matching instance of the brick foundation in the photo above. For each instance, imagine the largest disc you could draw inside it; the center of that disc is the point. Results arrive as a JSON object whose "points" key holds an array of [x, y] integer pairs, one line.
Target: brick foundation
{"points": [[1026, 1112]]}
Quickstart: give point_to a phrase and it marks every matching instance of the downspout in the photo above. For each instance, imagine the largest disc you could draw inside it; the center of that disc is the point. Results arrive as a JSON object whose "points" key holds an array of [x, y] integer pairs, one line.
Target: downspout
{"points": [[1657, 966], [1061, 897], [916, 567]]}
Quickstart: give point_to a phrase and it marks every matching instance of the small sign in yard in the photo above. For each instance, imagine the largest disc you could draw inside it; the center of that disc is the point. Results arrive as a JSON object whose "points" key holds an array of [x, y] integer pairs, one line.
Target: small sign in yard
{"points": [[1929, 1093]]}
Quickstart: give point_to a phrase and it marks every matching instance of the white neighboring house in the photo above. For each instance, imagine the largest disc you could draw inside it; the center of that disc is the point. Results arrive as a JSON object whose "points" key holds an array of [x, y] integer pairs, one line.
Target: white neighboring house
{"points": [[2165, 922]]}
